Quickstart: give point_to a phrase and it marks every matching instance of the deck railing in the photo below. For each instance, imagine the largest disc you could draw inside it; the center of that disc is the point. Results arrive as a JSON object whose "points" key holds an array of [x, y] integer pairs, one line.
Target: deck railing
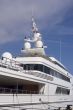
{"points": [[10, 63], [16, 91]]}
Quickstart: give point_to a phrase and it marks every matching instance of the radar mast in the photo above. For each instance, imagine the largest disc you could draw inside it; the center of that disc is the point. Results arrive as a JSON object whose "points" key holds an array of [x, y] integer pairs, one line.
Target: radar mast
{"points": [[38, 48]]}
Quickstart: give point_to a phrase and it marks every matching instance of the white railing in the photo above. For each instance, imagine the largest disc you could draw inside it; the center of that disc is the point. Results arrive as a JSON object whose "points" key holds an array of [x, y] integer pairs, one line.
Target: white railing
{"points": [[16, 91], [14, 65], [10, 63]]}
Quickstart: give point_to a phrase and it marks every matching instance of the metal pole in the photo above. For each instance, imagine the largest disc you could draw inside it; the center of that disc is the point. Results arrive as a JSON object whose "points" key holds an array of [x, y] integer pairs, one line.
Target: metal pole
{"points": [[60, 50]]}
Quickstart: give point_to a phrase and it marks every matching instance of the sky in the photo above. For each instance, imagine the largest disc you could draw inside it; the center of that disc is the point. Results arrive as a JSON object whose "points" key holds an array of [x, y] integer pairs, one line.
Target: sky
{"points": [[54, 19]]}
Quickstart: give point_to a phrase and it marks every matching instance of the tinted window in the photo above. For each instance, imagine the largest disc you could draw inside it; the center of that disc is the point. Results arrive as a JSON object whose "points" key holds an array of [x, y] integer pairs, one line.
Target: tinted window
{"points": [[61, 90], [45, 69]]}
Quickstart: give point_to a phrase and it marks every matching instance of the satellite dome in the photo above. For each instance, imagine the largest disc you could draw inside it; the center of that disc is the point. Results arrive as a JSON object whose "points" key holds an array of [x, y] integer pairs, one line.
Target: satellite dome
{"points": [[27, 45], [39, 44], [7, 55], [37, 36]]}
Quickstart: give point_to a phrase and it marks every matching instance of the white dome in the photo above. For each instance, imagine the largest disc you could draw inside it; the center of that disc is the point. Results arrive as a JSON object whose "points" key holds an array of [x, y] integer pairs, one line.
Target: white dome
{"points": [[7, 55], [27, 45], [39, 44], [37, 36]]}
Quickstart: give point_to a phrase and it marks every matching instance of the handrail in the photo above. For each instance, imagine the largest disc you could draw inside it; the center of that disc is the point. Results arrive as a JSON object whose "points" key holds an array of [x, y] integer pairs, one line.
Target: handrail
{"points": [[16, 91], [10, 63]]}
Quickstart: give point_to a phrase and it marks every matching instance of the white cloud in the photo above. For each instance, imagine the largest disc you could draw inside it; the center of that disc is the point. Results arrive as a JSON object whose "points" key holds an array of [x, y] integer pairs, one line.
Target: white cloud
{"points": [[15, 15]]}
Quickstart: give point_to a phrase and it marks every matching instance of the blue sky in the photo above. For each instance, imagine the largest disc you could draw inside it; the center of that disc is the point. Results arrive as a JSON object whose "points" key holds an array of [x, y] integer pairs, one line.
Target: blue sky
{"points": [[54, 19]]}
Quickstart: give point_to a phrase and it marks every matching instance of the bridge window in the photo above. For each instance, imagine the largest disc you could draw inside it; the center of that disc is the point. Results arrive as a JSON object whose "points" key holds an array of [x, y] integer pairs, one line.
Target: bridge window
{"points": [[45, 69]]}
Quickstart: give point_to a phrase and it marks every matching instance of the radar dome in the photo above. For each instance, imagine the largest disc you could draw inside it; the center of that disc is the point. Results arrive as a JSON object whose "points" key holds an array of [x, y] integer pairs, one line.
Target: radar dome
{"points": [[37, 36], [7, 55], [39, 44], [27, 45]]}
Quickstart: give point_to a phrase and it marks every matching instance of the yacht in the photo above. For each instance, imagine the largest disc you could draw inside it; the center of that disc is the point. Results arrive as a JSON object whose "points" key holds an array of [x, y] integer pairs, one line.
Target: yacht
{"points": [[33, 80]]}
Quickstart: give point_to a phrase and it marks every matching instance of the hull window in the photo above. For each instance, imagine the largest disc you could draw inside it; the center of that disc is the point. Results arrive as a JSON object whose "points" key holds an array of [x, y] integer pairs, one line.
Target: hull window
{"points": [[61, 90]]}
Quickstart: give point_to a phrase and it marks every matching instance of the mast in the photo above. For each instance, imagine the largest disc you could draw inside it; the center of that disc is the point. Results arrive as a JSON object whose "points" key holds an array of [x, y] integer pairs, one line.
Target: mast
{"points": [[36, 40], [34, 27]]}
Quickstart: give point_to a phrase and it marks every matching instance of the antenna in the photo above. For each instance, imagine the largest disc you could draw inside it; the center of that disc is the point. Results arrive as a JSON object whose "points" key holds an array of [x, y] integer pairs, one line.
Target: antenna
{"points": [[34, 27], [60, 50]]}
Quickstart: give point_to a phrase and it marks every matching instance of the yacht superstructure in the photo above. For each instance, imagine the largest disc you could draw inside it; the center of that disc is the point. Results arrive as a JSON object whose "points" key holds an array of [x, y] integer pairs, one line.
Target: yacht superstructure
{"points": [[34, 80]]}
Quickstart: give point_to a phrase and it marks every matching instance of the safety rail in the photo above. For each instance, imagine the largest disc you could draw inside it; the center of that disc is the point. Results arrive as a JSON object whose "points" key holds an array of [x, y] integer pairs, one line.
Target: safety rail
{"points": [[16, 91], [10, 64], [16, 66]]}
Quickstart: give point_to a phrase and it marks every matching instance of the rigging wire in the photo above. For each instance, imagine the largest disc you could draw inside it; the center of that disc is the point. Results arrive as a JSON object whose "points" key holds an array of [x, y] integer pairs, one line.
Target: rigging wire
{"points": [[61, 44]]}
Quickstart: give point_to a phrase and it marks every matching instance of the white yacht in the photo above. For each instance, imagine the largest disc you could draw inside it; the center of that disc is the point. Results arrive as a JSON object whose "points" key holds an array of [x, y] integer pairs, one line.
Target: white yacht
{"points": [[33, 80]]}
